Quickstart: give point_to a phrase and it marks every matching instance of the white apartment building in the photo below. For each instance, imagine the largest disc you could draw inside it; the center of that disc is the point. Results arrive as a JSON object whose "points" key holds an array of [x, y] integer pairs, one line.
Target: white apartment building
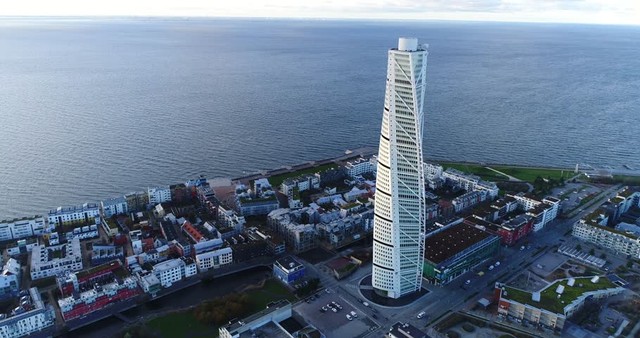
{"points": [[159, 195], [543, 211], [303, 183], [10, 279], [114, 206], [468, 182], [22, 228], [48, 261], [592, 229], [25, 322], [399, 220], [88, 213], [361, 166], [214, 259], [174, 270]]}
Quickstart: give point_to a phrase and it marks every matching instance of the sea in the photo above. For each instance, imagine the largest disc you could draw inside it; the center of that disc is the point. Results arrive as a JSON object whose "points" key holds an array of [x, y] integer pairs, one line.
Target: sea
{"points": [[95, 108]]}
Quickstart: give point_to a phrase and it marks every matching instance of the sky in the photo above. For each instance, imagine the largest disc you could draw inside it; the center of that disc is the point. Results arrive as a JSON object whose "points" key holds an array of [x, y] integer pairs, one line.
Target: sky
{"points": [[570, 11]]}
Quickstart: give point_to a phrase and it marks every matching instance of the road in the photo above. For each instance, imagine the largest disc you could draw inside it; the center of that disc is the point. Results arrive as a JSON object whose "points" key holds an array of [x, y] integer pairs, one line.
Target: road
{"points": [[455, 296]]}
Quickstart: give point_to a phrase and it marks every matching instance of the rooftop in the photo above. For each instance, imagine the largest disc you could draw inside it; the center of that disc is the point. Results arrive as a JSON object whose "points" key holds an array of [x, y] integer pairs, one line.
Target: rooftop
{"points": [[232, 327], [288, 262], [406, 330], [549, 298], [448, 242]]}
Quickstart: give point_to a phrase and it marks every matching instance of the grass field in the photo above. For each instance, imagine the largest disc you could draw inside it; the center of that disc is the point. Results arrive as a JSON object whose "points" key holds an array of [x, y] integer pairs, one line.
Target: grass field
{"points": [[276, 180], [525, 174], [272, 291], [184, 323]]}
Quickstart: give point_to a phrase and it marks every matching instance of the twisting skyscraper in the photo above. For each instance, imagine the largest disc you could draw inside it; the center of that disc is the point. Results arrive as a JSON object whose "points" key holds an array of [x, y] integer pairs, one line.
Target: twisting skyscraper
{"points": [[399, 220]]}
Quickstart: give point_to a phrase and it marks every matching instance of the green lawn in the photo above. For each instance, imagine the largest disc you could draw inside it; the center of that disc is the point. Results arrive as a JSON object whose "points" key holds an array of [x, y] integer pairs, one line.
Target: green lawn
{"points": [[272, 291], [276, 180], [530, 174], [525, 174], [182, 324]]}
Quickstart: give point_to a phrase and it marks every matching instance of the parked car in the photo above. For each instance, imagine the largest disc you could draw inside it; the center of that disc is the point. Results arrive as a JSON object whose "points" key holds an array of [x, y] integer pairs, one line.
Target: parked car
{"points": [[421, 314], [323, 309], [349, 317], [354, 314], [467, 282]]}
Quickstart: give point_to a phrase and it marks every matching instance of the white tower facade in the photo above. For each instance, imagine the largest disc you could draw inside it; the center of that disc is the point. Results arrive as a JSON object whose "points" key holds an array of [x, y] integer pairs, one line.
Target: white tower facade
{"points": [[399, 214]]}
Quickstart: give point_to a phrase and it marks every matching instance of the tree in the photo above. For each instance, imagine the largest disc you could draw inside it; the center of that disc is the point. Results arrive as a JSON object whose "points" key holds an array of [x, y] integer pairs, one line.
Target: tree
{"points": [[579, 247], [629, 264], [592, 252], [603, 256]]}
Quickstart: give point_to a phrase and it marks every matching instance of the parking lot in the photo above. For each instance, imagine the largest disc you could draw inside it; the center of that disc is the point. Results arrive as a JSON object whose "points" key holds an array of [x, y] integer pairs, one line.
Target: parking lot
{"points": [[335, 323]]}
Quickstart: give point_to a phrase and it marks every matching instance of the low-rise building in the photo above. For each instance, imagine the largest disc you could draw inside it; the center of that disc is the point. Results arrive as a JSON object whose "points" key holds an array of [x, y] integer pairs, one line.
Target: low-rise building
{"points": [[30, 318], [288, 270], [48, 261], [159, 195], [510, 231], [259, 201], [86, 214], [174, 270], [543, 211], [300, 237], [553, 304], [214, 259], [114, 206], [101, 254], [21, 228], [10, 279], [300, 183], [275, 243], [591, 228], [361, 166], [459, 179], [274, 313], [405, 330], [137, 201], [456, 249], [469, 199], [94, 289]]}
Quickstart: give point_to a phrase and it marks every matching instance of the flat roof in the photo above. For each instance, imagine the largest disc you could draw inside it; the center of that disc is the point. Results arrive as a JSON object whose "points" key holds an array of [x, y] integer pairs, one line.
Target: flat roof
{"points": [[549, 299], [288, 262], [406, 330], [451, 241]]}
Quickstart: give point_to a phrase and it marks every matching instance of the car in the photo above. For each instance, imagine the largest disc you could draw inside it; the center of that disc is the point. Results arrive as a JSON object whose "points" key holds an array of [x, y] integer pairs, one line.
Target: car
{"points": [[421, 314], [326, 290], [490, 267], [354, 314], [334, 309], [365, 303], [467, 282], [308, 300], [323, 309], [498, 263], [349, 317]]}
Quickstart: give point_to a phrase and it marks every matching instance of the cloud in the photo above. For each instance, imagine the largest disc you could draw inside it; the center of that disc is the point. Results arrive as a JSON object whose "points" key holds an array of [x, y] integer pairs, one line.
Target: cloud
{"points": [[588, 11]]}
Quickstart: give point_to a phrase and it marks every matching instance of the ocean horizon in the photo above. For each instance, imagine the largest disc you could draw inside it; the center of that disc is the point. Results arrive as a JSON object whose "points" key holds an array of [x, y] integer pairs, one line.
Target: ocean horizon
{"points": [[95, 108]]}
